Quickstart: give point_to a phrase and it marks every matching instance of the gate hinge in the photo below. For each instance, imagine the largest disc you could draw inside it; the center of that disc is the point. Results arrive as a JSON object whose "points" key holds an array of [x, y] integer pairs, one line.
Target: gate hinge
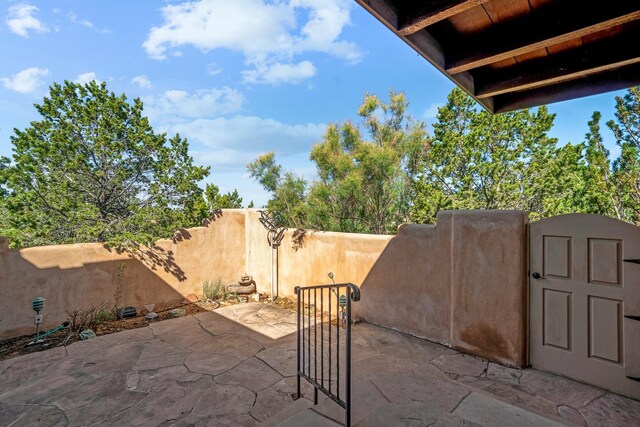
{"points": [[632, 317], [632, 261]]}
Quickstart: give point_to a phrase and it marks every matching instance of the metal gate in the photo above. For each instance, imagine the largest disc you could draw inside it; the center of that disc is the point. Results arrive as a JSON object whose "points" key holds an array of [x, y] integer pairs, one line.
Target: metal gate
{"points": [[584, 290]]}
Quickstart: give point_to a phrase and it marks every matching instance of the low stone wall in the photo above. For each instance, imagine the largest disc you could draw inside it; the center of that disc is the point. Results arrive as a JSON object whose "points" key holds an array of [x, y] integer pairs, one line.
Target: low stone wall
{"points": [[461, 282]]}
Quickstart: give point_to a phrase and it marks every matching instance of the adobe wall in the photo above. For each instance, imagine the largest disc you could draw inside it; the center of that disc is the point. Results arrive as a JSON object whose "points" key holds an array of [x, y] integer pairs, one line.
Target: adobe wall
{"points": [[80, 276], [461, 282], [489, 300]]}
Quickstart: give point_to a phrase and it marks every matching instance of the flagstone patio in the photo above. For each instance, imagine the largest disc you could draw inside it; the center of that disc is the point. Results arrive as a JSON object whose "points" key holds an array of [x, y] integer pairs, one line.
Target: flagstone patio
{"points": [[236, 366]]}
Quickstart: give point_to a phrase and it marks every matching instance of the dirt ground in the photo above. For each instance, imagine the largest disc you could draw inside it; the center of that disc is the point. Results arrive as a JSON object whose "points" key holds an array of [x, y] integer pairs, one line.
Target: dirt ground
{"points": [[18, 346]]}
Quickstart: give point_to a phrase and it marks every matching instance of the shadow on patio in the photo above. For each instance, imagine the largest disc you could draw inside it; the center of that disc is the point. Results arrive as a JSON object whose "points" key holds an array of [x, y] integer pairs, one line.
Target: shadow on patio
{"points": [[237, 366]]}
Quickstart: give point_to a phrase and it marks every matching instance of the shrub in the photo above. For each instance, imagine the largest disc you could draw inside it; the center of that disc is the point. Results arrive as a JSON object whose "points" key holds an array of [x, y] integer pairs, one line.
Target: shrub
{"points": [[213, 290], [80, 318]]}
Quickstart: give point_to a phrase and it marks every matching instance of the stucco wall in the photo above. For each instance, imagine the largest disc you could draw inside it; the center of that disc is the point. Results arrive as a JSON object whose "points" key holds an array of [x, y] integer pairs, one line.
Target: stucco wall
{"points": [[461, 282], [83, 275], [489, 284]]}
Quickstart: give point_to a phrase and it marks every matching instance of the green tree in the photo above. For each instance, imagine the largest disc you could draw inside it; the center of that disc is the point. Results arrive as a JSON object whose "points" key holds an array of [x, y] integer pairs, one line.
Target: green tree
{"points": [[288, 192], [599, 194], [365, 175], [217, 200], [365, 179], [626, 169], [482, 161], [92, 169]]}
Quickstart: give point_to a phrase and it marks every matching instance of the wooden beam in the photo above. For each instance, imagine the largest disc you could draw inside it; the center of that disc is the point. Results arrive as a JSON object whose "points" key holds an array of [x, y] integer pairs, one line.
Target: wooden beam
{"points": [[587, 60], [383, 11], [431, 12], [423, 43], [557, 23], [608, 81]]}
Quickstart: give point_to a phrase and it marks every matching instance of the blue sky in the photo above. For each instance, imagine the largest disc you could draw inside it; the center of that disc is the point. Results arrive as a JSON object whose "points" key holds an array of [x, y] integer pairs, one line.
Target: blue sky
{"points": [[236, 77]]}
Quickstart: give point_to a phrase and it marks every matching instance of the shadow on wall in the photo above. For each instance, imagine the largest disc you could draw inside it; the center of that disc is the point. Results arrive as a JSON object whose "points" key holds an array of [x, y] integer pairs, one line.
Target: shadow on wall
{"points": [[156, 257], [408, 287], [81, 276], [67, 287], [461, 282]]}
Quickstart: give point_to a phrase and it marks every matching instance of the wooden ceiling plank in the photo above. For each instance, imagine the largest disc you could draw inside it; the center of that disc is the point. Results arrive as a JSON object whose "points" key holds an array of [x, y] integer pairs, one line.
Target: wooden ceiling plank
{"points": [[592, 59], [622, 78], [382, 11], [436, 11], [537, 33]]}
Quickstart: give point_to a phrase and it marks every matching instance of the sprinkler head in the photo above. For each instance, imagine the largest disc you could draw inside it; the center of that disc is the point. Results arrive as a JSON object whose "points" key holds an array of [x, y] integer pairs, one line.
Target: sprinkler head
{"points": [[38, 304]]}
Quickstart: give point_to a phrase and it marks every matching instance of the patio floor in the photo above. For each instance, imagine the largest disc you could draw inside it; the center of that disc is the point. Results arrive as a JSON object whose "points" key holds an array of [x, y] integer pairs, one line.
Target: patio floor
{"points": [[236, 366]]}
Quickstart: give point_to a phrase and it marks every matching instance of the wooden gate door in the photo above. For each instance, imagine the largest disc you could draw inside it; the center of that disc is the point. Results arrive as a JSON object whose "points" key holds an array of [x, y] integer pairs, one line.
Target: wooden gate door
{"points": [[584, 290]]}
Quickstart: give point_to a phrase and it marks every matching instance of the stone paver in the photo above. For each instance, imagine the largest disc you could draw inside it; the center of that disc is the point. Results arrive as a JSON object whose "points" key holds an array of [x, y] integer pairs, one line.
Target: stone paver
{"points": [[236, 366], [485, 410]]}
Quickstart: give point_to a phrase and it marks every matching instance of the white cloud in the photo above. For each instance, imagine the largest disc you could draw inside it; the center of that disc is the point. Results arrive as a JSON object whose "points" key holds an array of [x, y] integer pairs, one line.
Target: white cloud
{"points": [[213, 69], [237, 140], [85, 78], [21, 20], [76, 20], [142, 81], [432, 110], [178, 105], [27, 80], [269, 36], [277, 73]]}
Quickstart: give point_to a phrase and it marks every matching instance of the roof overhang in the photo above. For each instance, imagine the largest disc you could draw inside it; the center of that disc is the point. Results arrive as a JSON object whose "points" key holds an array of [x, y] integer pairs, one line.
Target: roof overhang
{"points": [[513, 54]]}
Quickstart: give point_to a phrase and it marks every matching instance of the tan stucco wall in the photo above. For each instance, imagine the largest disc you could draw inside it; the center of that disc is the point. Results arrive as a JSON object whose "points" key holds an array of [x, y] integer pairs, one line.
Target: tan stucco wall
{"points": [[461, 282], [83, 275], [489, 285]]}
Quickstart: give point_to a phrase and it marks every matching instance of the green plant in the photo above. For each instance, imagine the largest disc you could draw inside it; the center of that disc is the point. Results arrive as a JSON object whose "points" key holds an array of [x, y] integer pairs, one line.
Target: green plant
{"points": [[103, 315], [213, 290], [88, 318]]}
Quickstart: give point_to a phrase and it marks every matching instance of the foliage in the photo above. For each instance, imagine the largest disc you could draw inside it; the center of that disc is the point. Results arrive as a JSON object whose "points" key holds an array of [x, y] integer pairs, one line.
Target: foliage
{"points": [[216, 200], [475, 160], [212, 200], [92, 169], [288, 199], [626, 169], [363, 185], [89, 318], [213, 290], [482, 161], [598, 192], [366, 185]]}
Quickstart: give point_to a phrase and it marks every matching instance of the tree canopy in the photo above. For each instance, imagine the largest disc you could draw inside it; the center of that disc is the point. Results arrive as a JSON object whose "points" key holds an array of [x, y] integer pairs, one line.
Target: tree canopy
{"points": [[478, 160], [373, 176], [92, 169], [364, 173]]}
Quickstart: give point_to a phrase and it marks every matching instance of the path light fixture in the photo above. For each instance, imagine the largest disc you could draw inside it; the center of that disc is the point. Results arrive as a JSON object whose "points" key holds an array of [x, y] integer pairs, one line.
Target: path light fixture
{"points": [[38, 305], [275, 234], [342, 302]]}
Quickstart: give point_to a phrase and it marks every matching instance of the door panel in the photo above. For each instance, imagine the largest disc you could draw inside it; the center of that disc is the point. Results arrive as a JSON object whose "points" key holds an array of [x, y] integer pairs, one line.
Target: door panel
{"points": [[557, 319], [605, 329], [585, 299]]}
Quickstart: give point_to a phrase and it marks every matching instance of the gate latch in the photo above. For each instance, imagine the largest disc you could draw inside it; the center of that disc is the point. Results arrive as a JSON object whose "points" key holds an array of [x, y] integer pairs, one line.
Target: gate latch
{"points": [[632, 261]]}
